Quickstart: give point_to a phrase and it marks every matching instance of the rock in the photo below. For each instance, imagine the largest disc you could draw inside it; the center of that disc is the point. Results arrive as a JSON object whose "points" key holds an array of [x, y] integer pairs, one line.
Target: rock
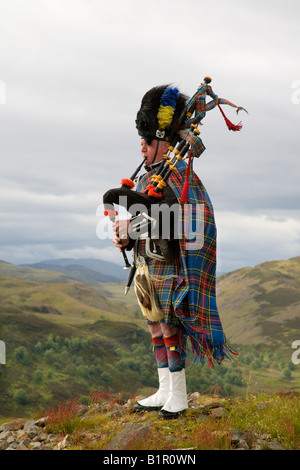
{"points": [[63, 443], [16, 424], [216, 412], [29, 424], [21, 434], [242, 444], [193, 396], [32, 430], [274, 445], [11, 439], [118, 410], [40, 437], [236, 435], [210, 406], [131, 433], [25, 442], [3, 445], [36, 446], [5, 435], [22, 447], [12, 446], [51, 437], [132, 401], [40, 422]]}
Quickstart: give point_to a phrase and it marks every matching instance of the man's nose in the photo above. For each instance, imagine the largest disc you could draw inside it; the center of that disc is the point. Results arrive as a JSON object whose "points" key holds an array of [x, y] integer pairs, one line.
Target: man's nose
{"points": [[143, 145]]}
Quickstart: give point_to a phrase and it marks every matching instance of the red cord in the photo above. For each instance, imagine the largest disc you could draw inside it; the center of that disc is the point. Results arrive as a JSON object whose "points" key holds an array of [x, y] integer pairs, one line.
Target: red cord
{"points": [[231, 127], [186, 186]]}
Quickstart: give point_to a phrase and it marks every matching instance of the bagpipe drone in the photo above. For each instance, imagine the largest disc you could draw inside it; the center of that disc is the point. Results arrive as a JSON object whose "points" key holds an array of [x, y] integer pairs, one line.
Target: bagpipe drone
{"points": [[178, 124]]}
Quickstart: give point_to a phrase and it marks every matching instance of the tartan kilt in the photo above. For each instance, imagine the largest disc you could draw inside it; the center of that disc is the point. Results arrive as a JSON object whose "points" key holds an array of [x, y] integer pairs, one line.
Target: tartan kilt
{"points": [[186, 288]]}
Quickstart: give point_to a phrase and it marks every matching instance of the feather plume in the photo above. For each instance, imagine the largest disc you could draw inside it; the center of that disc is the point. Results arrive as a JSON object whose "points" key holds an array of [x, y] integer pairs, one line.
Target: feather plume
{"points": [[142, 291], [167, 107]]}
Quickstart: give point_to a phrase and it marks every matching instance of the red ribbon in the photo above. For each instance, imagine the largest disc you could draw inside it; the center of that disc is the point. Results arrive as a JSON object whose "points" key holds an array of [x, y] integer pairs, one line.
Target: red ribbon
{"points": [[231, 127], [186, 186]]}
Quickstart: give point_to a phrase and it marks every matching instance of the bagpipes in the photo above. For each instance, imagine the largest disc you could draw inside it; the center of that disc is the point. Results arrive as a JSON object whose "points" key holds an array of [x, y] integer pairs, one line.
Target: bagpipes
{"points": [[186, 144]]}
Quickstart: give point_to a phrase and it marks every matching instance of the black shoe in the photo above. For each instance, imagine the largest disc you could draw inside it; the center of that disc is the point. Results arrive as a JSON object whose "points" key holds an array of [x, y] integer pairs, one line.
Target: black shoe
{"points": [[140, 408], [163, 414]]}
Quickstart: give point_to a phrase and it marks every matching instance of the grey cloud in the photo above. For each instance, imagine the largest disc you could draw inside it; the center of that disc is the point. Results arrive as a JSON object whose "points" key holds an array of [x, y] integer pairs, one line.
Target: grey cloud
{"points": [[75, 73]]}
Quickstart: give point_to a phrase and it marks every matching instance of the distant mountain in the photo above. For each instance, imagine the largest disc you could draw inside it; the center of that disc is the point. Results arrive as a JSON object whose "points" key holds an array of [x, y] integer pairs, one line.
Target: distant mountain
{"points": [[31, 274], [88, 269]]}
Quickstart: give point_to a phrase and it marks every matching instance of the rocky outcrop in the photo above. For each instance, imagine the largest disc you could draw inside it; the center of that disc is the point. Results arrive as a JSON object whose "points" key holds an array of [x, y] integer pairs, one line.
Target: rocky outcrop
{"points": [[22, 434]]}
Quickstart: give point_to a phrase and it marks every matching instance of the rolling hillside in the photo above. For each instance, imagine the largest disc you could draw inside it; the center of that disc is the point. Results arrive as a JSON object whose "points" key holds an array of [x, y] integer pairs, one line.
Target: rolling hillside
{"points": [[262, 304], [66, 337]]}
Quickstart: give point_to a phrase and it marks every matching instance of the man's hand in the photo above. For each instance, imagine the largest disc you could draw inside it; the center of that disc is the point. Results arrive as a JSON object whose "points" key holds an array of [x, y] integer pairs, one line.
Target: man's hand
{"points": [[120, 227]]}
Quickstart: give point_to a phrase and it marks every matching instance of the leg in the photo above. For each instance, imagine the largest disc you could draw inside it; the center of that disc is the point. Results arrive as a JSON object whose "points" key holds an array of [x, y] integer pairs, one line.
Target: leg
{"points": [[158, 399], [161, 329], [171, 397], [177, 399]]}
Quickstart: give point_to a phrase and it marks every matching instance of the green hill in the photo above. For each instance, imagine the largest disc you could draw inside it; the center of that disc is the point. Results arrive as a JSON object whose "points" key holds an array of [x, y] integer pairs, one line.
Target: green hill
{"points": [[67, 338], [261, 305]]}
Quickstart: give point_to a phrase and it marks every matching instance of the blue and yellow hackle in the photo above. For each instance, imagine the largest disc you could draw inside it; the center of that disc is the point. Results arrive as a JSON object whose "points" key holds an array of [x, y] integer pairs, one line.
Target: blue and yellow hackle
{"points": [[167, 108]]}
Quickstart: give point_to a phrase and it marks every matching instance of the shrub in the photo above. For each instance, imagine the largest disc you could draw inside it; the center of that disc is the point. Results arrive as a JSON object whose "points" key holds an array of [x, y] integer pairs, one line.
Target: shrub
{"points": [[21, 355], [21, 397], [38, 377], [84, 371], [106, 377]]}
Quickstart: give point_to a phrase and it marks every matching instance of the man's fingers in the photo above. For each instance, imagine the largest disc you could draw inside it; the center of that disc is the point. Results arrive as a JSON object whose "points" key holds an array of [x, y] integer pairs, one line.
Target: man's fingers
{"points": [[118, 245]]}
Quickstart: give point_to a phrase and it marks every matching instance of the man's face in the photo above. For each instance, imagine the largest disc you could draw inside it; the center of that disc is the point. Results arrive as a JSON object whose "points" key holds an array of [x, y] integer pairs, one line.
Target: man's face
{"points": [[148, 151]]}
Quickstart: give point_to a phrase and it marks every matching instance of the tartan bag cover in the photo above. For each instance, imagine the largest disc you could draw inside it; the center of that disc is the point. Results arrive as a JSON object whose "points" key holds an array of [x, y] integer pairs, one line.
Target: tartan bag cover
{"points": [[193, 294]]}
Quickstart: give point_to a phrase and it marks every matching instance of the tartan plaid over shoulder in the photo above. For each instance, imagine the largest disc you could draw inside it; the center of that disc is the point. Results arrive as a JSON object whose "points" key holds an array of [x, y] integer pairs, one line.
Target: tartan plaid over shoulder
{"points": [[193, 295]]}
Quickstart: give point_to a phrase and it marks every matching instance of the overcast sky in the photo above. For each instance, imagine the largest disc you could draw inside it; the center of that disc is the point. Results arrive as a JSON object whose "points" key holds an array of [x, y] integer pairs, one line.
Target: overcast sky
{"points": [[72, 75]]}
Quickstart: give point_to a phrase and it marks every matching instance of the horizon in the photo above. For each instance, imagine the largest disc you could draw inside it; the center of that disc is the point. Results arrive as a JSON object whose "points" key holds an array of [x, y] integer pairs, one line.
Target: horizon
{"points": [[68, 120], [120, 265]]}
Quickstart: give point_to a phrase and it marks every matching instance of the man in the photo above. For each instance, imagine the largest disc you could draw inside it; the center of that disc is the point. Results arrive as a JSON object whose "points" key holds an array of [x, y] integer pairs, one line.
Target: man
{"points": [[180, 279]]}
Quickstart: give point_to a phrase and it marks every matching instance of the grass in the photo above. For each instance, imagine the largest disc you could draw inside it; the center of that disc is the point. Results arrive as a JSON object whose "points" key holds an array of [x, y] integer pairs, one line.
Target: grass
{"points": [[279, 417], [64, 419], [275, 416]]}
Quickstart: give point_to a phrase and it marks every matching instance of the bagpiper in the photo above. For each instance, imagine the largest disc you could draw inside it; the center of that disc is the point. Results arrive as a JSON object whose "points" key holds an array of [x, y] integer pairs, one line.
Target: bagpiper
{"points": [[172, 233]]}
